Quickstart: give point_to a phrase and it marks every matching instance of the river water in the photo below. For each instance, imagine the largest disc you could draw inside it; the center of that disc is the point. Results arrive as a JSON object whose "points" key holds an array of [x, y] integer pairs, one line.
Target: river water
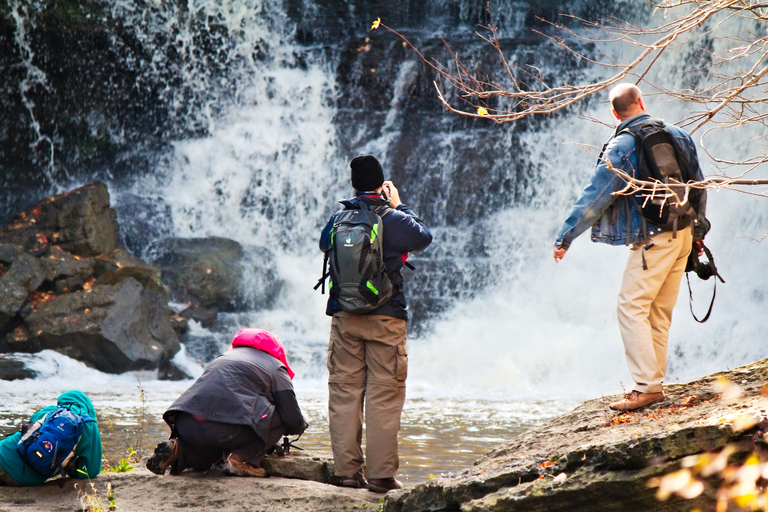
{"points": [[439, 435]]}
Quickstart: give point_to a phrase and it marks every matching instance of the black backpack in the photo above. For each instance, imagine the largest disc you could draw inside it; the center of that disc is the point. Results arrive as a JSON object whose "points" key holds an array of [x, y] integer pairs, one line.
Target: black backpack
{"points": [[358, 282], [660, 159]]}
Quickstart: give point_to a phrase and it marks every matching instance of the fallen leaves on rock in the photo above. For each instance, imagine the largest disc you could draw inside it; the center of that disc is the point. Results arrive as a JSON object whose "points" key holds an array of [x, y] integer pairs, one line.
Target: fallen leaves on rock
{"points": [[39, 297], [657, 414]]}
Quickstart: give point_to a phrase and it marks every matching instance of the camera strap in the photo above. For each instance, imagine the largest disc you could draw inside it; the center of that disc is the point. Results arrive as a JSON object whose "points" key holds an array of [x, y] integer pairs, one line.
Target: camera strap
{"points": [[690, 300], [714, 287]]}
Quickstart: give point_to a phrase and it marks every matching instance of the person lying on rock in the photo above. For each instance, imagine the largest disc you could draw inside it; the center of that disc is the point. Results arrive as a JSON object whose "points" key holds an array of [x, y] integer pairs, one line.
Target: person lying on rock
{"points": [[64, 438], [240, 407]]}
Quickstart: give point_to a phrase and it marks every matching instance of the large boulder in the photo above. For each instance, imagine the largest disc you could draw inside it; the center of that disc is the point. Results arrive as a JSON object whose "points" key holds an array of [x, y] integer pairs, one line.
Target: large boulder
{"points": [[17, 282], [113, 327], [217, 274], [80, 222], [65, 286]]}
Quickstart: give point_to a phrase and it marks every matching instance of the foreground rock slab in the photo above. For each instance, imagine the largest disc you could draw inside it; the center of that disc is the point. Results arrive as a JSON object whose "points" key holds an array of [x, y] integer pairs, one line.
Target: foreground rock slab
{"points": [[595, 459], [141, 491]]}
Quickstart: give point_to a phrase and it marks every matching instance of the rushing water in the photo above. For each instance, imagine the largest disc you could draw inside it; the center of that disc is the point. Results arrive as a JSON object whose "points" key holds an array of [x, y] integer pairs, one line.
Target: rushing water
{"points": [[264, 106]]}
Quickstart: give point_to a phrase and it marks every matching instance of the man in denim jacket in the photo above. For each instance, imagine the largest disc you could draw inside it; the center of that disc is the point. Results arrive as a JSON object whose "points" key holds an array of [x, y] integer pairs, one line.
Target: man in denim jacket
{"points": [[647, 296]]}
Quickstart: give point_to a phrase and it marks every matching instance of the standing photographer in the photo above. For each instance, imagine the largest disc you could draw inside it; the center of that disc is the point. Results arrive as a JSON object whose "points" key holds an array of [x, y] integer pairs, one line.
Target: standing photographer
{"points": [[658, 257], [367, 357]]}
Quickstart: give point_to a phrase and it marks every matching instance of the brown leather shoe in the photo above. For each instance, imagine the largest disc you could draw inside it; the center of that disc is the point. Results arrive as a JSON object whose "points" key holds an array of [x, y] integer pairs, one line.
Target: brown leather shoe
{"points": [[636, 400], [238, 466], [355, 480], [166, 454], [384, 484]]}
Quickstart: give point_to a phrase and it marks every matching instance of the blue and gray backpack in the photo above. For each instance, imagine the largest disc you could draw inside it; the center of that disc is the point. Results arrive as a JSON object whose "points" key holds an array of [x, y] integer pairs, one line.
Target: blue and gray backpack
{"points": [[48, 444], [358, 282]]}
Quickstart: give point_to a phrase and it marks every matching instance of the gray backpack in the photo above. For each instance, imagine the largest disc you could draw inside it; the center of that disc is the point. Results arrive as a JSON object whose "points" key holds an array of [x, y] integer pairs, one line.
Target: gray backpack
{"points": [[358, 277]]}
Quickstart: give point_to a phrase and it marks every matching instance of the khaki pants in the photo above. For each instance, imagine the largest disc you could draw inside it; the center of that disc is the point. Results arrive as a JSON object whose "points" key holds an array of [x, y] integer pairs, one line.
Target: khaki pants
{"points": [[367, 365], [646, 300]]}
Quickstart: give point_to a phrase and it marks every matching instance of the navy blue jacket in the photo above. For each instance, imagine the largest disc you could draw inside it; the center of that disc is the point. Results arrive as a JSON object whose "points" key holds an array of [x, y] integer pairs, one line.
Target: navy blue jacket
{"points": [[404, 233]]}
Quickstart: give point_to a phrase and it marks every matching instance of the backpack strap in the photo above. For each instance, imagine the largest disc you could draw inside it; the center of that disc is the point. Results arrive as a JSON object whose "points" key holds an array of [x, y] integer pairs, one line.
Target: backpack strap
{"points": [[324, 276]]}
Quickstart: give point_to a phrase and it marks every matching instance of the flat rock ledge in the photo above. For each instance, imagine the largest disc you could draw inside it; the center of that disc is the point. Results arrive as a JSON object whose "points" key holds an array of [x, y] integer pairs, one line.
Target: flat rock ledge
{"points": [[595, 459], [302, 489]]}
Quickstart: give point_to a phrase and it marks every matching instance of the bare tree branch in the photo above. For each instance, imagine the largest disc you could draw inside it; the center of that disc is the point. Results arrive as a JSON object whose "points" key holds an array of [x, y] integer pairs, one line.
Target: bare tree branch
{"points": [[734, 97]]}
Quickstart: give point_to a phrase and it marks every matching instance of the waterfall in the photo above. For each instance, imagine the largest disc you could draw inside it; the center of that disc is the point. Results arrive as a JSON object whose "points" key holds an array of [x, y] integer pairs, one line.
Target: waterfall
{"points": [[247, 112]]}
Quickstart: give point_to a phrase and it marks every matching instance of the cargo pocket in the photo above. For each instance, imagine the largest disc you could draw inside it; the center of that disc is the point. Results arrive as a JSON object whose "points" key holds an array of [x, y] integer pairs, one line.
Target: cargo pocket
{"points": [[329, 359], [401, 371]]}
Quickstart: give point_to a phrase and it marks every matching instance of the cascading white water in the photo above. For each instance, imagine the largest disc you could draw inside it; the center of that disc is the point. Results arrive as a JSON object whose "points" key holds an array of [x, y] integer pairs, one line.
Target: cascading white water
{"points": [[268, 171], [266, 166]]}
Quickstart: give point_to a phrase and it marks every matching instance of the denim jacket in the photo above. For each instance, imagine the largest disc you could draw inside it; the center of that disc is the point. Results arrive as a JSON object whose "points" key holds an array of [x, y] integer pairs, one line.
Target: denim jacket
{"points": [[616, 219]]}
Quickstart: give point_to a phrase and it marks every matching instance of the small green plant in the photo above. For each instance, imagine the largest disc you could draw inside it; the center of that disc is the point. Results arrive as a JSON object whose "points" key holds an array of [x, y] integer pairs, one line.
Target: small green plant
{"points": [[123, 466]]}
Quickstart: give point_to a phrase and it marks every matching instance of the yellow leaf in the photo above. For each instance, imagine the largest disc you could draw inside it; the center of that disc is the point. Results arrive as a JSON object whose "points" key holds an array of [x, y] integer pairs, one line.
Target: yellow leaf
{"points": [[431, 476], [376, 24], [482, 111], [744, 500]]}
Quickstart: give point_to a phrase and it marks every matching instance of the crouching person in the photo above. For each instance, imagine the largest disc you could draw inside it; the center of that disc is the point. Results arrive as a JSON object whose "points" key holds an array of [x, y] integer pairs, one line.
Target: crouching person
{"points": [[239, 407], [63, 439]]}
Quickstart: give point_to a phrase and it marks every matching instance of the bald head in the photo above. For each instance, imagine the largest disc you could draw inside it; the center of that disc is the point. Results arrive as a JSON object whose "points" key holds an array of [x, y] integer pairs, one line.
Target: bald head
{"points": [[627, 101]]}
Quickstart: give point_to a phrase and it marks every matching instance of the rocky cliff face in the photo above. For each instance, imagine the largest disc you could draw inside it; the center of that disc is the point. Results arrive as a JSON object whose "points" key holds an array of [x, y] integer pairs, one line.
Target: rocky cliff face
{"points": [[594, 459], [104, 89]]}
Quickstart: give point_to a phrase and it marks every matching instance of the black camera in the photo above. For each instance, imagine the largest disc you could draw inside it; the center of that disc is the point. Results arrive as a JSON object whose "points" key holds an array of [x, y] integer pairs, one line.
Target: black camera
{"points": [[705, 269]]}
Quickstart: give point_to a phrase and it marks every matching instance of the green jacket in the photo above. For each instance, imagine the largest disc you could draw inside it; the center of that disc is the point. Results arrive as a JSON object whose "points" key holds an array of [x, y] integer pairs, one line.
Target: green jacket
{"points": [[88, 451]]}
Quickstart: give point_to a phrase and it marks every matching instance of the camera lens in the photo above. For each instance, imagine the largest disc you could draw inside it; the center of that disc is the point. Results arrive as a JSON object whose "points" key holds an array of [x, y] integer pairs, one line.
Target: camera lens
{"points": [[704, 270]]}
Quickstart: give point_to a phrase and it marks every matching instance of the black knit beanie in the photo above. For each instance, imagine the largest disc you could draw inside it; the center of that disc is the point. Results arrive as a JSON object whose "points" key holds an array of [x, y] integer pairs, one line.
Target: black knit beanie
{"points": [[366, 173]]}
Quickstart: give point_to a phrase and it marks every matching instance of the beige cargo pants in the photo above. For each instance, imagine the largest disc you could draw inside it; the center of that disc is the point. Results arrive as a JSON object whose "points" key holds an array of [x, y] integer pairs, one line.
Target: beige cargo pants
{"points": [[367, 365], [646, 300]]}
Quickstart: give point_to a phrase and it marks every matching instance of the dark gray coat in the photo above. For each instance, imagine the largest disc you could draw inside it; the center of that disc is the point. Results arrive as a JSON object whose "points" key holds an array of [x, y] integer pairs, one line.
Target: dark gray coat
{"points": [[244, 386]]}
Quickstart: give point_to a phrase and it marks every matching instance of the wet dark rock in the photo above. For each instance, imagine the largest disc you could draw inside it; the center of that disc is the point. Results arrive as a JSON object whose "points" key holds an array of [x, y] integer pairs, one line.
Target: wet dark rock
{"points": [[595, 459], [79, 222], [166, 370], [24, 276], [208, 273], [12, 368], [203, 347], [9, 252], [204, 316], [179, 324], [113, 327], [60, 263]]}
